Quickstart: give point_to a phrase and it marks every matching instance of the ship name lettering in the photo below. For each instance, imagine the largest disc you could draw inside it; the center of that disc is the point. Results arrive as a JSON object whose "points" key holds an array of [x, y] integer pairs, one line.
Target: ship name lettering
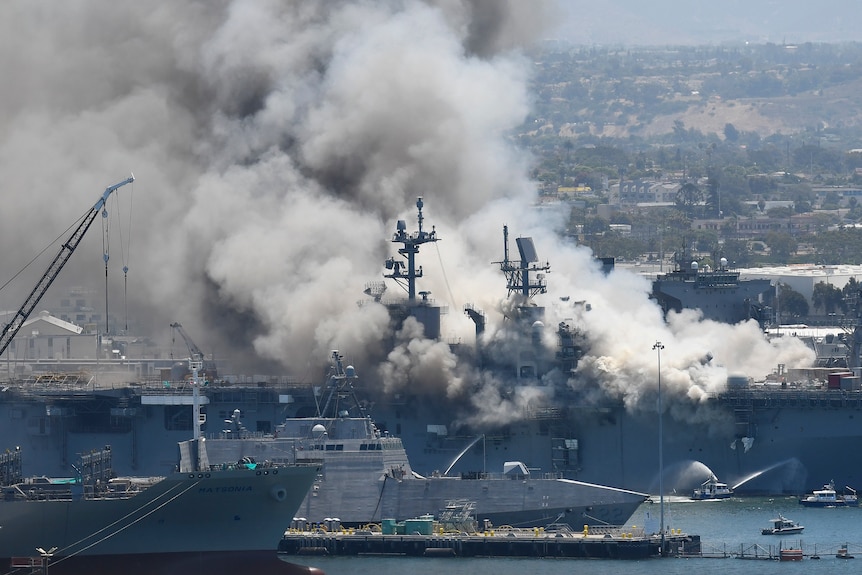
{"points": [[226, 489]]}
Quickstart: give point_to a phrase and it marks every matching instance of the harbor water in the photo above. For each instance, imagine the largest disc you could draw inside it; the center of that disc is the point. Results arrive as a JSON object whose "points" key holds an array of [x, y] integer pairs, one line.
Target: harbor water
{"points": [[729, 529]]}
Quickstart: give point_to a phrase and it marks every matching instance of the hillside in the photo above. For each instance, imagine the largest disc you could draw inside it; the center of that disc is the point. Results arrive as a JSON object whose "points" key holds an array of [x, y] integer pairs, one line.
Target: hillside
{"points": [[816, 110]]}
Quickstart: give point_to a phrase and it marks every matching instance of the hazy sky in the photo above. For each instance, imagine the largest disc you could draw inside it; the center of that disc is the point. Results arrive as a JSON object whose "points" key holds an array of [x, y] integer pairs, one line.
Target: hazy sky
{"points": [[661, 22]]}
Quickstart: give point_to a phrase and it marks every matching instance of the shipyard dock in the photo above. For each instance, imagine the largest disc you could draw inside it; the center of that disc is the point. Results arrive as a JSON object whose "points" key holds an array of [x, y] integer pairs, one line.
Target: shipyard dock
{"points": [[596, 543]]}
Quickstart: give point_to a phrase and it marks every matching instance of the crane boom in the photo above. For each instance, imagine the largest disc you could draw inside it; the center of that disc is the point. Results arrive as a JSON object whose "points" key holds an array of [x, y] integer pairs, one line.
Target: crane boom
{"points": [[66, 251], [194, 351]]}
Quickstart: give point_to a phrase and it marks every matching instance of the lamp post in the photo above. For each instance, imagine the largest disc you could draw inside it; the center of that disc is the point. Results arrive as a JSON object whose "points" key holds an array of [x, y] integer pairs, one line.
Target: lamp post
{"points": [[658, 347], [46, 557]]}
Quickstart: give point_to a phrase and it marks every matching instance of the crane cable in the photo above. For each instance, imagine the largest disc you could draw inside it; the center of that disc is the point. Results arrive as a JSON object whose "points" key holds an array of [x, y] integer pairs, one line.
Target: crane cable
{"points": [[124, 253], [106, 249], [125, 248], [45, 249]]}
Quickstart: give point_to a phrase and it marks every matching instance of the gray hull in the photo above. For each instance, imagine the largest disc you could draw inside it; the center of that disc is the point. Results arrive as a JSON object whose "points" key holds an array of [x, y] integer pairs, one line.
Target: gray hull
{"points": [[359, 485], [763, 442], [191, 514], [774, 439]]}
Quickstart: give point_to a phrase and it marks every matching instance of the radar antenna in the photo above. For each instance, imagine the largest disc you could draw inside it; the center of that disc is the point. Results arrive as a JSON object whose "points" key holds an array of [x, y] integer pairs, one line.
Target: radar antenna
{"points": [[517, 273]]}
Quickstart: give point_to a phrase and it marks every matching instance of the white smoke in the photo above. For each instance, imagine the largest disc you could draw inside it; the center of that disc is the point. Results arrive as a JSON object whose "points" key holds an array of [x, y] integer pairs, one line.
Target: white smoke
{"points": [[275, 144]]}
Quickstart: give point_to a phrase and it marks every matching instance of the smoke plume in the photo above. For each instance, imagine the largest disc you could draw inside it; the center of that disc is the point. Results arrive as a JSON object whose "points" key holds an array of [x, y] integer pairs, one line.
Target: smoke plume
{"points": [[274, 145]]}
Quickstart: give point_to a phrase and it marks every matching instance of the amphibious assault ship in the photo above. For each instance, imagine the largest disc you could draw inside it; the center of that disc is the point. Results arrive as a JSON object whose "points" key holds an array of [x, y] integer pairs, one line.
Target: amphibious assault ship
{"points": [[767, 437]]}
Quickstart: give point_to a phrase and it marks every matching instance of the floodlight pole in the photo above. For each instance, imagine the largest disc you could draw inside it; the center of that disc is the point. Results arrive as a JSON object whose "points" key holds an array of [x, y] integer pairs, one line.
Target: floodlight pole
{"points": [[658, 347]]}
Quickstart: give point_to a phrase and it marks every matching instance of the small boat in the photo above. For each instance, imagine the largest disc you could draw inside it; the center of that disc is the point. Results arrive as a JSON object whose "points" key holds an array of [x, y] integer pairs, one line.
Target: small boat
{"points": [[790, 555], [782, 526], [712, 488], [843, 553], [828, 497]]}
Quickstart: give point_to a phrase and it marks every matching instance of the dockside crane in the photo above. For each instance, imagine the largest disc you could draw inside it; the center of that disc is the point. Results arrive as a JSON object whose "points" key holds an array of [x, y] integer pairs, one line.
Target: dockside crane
{"points": [[195, 353], [66, 250]]}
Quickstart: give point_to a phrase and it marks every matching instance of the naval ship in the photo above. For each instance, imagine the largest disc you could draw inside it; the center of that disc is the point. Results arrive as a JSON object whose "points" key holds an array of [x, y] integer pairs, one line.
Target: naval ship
{"points": [[366, 475], [778, 436], [217, 518], [719, 294]]}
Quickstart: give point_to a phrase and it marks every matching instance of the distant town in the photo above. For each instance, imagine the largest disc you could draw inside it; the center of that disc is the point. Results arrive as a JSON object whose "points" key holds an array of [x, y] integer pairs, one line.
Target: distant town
{"points": [[748, 153]]}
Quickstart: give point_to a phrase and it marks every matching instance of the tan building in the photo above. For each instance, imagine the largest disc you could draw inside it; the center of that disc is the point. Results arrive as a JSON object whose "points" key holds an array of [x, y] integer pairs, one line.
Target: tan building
{"points": [[45, 336]]}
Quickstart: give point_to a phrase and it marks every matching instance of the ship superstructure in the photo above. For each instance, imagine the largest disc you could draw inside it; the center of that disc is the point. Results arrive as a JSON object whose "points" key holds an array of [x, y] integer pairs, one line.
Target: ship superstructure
{"points": [[718, 293], [366, 475]]}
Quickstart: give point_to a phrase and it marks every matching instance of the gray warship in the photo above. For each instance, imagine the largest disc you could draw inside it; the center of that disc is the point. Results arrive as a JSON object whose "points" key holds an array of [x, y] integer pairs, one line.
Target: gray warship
{"points": [[765, 437], [217, 518], [718, 293], [366, 475]]}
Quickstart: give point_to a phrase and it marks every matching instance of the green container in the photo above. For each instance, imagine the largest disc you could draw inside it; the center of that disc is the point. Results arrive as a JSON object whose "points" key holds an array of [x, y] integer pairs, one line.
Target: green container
{"points": [[387, 526], [420, 526]]}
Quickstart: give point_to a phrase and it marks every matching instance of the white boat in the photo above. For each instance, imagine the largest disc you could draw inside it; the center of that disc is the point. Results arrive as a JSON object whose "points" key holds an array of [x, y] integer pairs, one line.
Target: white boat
{"points": [[712, 488], [782, 526], [828, 497]]}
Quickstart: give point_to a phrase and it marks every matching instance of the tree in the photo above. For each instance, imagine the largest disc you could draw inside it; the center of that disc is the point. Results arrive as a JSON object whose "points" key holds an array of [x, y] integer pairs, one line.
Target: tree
{"points": [[851, 289], [791, 303], [827, 298], [781, 245], [595, 225], [689, 196], [737, 253], [779, 212], [731, 134]]}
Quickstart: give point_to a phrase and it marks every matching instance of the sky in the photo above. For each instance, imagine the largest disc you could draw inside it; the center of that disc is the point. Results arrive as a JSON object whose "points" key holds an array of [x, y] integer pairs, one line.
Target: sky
{"points": [[704, 22], [274, 146]]}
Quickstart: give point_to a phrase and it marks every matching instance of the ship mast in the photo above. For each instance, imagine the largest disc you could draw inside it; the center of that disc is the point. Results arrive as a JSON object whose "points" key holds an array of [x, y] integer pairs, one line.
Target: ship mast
{"points": [[410, 247], [340, 386], [518, 279], [405, 275]]}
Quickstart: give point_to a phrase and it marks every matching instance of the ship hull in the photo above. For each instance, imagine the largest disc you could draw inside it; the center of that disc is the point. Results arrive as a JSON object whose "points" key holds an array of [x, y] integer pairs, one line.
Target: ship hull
{"points": [[183, 517], [771, 443], [366, 486], [834, 503], [768, 443], [258, 562], [519, 503]]}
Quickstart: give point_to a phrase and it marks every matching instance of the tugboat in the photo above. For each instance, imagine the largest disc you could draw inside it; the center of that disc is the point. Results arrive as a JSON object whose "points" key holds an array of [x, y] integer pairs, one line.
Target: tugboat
{"points": [[712, 488], [782, 526]]}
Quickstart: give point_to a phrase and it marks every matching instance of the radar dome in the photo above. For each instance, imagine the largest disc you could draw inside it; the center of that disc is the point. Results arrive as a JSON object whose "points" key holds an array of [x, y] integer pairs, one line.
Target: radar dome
{"points": [[318, 431], [694, 266]]}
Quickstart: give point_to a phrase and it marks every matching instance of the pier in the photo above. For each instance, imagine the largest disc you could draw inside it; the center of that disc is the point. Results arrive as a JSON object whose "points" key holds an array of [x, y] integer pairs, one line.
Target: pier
{"points": [[597, 543]]}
